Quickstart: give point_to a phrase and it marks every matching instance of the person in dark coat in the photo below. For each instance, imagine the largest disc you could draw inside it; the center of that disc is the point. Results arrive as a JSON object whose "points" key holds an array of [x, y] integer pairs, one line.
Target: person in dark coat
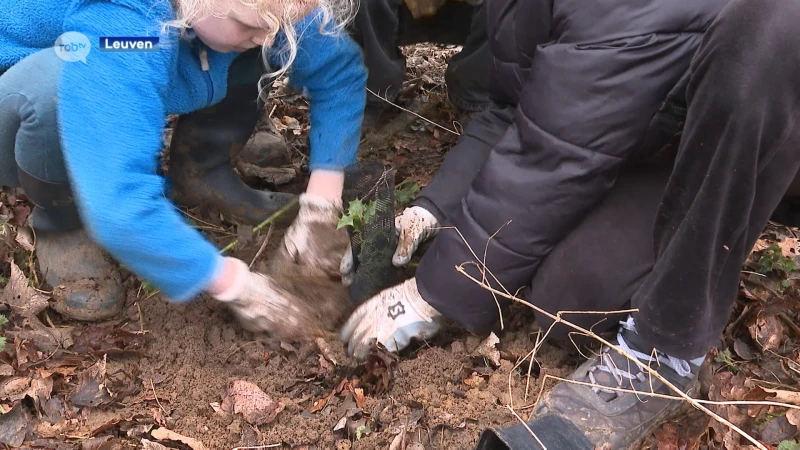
{"points": [[631, 158], [382, 26]]}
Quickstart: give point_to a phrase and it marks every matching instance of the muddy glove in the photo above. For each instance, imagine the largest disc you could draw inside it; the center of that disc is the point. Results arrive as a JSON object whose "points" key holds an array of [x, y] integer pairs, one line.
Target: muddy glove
{"points": [[391, 318], [260, 304], [313, 240], [414, 226]]}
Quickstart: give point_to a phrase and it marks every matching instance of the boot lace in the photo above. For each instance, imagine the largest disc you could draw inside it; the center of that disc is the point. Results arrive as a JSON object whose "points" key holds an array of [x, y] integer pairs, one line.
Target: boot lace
{"points": [[607, 364]]}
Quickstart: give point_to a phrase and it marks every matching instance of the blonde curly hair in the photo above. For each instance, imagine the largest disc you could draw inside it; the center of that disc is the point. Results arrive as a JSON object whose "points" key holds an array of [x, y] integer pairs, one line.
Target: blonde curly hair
{"points": [[279, 15]]}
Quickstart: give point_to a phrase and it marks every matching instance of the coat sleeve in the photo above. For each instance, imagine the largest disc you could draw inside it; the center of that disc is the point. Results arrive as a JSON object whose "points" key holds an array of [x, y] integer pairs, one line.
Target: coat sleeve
{"points": [[583, 111], [329, 67], [111, 122]]}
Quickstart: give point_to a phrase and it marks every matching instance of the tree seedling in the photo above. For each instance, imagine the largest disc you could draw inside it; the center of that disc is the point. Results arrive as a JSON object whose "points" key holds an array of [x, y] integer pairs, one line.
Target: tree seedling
{"points": [[357, 216]]}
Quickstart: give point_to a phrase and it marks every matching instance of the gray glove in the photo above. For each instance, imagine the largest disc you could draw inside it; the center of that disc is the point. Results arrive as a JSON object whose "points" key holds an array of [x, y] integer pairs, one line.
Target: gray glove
{"points": [[393, 318]]}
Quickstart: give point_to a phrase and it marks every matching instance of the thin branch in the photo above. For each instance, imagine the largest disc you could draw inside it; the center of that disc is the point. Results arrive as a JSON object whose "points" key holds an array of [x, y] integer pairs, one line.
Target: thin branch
{"points": [[526, 426], [263, 246], [641, 365], [412, 112]]}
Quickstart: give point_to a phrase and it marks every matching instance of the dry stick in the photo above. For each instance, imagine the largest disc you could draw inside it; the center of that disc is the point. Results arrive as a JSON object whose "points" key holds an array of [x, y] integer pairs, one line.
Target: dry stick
{"points": [[261, 226], [412, 112], [526, 426], [263, 246], [641, 365], [153, 387]]}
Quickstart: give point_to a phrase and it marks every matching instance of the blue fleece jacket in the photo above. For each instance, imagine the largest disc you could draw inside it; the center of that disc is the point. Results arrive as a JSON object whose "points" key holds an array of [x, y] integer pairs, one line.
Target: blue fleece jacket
{"points": [[112, 112]]}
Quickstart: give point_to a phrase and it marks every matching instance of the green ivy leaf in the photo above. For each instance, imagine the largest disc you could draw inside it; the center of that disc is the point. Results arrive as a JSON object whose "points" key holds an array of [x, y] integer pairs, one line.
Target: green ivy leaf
{"points": [[789, 445]]}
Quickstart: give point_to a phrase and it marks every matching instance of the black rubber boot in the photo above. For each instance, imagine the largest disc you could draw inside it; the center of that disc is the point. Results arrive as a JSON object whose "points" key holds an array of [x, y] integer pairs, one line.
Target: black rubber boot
{"points": [[86, 283], [204, 141]]}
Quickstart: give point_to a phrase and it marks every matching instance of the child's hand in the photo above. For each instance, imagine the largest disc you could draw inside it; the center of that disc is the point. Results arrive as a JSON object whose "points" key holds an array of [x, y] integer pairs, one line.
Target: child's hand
{"points": [[313, 240], [261, 304]]}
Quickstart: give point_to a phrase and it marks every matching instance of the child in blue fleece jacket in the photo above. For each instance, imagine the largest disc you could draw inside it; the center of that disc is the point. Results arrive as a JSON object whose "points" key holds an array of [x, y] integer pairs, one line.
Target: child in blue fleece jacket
{"points": [[83, 140]]}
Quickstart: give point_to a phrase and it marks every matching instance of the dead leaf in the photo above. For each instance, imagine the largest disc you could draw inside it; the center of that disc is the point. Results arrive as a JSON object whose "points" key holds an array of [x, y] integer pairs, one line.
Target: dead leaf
{"points": [[24, 238], [488, 349], [163, 434], [325, 350], [150, 445], [13, 426], [760, 245], [793, 416], [361, 401], [791, 397], [108, 340], [15, 389], [92, 390], [768, 332], [248, 399], [788, 247], [20, 296]]}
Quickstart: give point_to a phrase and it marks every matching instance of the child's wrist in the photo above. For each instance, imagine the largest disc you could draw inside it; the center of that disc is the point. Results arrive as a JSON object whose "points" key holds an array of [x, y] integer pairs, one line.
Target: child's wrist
{"points": [[229, 280], [328, 184]]}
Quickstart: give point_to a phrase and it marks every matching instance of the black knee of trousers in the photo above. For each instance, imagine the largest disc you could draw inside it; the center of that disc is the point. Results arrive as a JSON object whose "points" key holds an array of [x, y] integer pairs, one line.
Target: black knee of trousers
{"points": [[604, 260]]}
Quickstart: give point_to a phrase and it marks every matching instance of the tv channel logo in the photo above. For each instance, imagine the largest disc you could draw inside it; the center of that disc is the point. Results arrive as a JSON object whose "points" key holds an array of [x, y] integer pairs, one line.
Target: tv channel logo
{"points": [[73, 47], [118, 44]]}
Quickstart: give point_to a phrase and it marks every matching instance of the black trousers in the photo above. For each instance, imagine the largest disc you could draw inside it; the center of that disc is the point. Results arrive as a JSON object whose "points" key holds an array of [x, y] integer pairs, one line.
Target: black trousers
{"points": [[671, 240], [381, 26]]}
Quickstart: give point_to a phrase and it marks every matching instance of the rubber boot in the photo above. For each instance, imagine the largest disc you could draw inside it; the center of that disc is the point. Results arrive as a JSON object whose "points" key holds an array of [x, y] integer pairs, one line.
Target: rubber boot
{"points": [[86, 283], [204, 141]]}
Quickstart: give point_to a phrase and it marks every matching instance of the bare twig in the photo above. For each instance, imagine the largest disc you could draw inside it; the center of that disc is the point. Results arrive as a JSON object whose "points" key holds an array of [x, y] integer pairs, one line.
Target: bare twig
{"points": [[646, 368], [641, 365], [526, 426], [412, 112], [153, 387], [263, 246]]}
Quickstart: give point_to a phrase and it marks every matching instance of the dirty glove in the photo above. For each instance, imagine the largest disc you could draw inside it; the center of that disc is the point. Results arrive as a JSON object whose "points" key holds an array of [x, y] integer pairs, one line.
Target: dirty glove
{"points": [[415, 225], [260, 304], [312, 239], [392, 318]]}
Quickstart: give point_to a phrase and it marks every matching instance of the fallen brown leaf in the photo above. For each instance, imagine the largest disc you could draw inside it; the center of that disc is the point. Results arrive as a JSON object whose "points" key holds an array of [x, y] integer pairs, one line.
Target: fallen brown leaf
{"points": [[150, 445], [793, 416], [108, 340], [13, 426], [163, 434], [92, 390], [20, 296], [246, 398], [768, 332], [784, 396]]}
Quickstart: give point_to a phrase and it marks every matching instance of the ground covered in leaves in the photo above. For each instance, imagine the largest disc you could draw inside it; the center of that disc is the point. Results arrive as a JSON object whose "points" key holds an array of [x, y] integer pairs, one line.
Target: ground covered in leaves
{"points": [[187, 376]]}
